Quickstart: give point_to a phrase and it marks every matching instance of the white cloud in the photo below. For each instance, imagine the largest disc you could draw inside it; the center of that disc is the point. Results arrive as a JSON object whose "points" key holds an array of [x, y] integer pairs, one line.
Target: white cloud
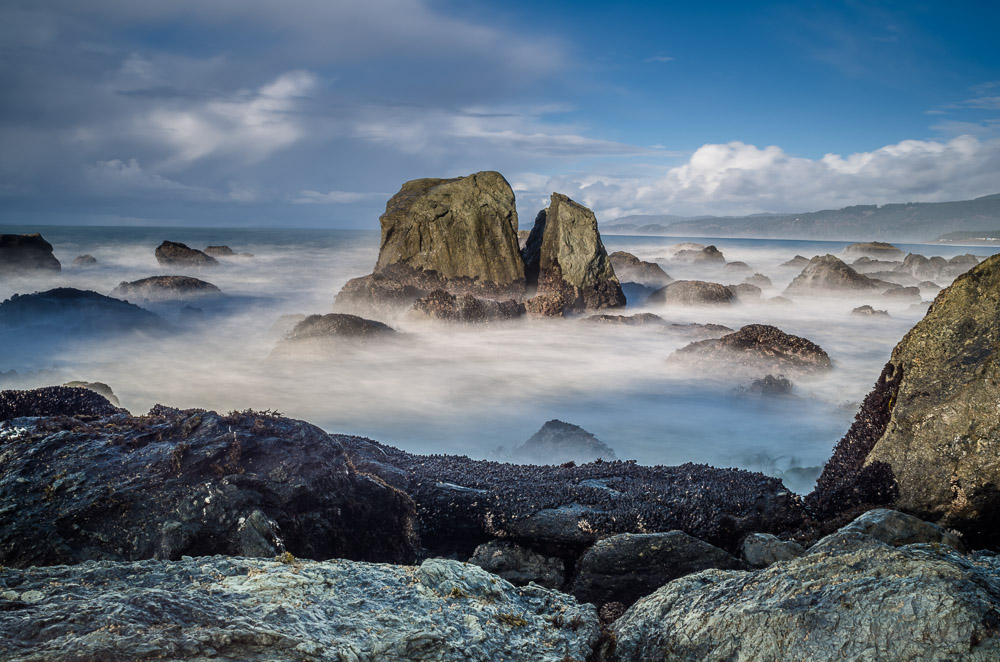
{"points": [[332, 197], [128, 179], [660, 58]]}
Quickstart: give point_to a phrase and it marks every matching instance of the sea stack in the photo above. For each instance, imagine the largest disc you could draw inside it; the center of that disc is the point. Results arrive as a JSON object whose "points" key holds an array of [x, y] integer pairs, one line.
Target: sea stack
{"points": [[26, 252], [566, 260]]}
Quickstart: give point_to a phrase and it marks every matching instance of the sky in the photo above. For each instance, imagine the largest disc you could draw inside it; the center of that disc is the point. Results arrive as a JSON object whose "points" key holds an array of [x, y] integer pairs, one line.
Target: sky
{"points": [[312, 113]]}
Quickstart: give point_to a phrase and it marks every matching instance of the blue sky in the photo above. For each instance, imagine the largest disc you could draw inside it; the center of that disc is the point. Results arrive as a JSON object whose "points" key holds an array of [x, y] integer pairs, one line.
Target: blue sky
{"points": [[312, 113]]}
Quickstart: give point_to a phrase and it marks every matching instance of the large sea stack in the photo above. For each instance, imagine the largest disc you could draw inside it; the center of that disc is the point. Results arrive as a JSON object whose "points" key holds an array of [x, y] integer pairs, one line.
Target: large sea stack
{"points": [[926, 438], [26, 252], [457, 235], [566, 260]]}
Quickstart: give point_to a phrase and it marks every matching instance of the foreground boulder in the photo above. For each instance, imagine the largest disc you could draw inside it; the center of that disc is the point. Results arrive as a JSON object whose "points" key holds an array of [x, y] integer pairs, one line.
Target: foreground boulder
{"points": [[192, 482], [446, 307], [26, 252], [566, 260], [164, 288], [871, 601], [257, 610], [557, 442], [458, 235], [827, 274], [758, 347], [925, 437], [693, 293], [629, 268], [176, 254]]}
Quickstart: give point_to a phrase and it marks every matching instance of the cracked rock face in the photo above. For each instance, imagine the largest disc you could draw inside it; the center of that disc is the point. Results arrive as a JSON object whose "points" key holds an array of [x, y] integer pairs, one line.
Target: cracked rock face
{"points": [[251, 609]]}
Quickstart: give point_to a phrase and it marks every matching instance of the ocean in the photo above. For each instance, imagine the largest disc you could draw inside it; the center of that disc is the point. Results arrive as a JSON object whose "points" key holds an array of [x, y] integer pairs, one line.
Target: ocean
{"points": [[467, 390]]}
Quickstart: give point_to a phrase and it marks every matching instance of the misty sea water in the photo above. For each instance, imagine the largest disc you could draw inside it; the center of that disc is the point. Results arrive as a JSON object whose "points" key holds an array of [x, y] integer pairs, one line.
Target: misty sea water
{"points": [[466, 390]]}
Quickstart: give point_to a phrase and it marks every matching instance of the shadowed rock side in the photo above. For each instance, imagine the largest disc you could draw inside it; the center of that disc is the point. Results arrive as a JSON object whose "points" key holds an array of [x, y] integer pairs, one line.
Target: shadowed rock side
{"points": [[629, 268], [75, 401], [934, 422], [560, 510], [693, 293], [446, 307], [828, 274], [252, 610], [192, 482], [26, 252], [758, 346], [164, 288], [68, 312], [175, 254], [866, 600], [566, 260], [557, 442]]}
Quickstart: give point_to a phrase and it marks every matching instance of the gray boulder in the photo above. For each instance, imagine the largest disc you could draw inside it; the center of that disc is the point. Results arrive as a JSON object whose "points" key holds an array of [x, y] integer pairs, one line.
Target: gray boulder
{"points": [[760, 280], [693, 293], [890, 527], [629, 268], [519, 565], [639, 319], [758, 347], [261, 610], [763, 549], [84, 261], [745, 291], [903, 294], [26, 253], [557, 442], [797, 262], [873, 249], [175, 254], [706, 255], [164, 288], [827, 274], [443, 306], [868, 311]]}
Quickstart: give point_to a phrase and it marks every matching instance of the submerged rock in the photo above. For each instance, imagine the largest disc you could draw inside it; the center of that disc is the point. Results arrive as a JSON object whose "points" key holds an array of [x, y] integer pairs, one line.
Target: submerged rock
{"points": [[84, 261], [557, 442], [927, 431], [758, 346], [264, 610], [639, 319], [866, 265], [175, 254], [701, 331], [164, 288], [736, 268], [441, 305], [629, 268], [519, 565], [916, 602], [566, 259], [192, 482], [828, 274], [693, 293], [770, 386], [868, 311], [25, 253], [745, 291]]}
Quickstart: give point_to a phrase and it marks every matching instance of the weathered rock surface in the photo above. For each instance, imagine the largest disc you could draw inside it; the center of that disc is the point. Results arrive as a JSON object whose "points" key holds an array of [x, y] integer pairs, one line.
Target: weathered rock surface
{"points": [[84, 261], [566, 259], [446, 307], [868, 311], [560, 510], [828, 274], [97, 387], [74, 488], [629, 268], [519, 565], [239, 609], [929, 428], [558, 442], [164, 288], [693, 293], [26, 252], [70, 313], [74, 401], [890, 527], [763, 549], [875, 249], [320, 334], [873, 602], [175, 254], [759, 347], [625, 567], [639, 319], [706, 255]]}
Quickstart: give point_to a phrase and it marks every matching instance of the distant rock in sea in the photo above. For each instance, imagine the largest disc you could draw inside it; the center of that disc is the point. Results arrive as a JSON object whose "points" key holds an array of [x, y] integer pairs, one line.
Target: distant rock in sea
{"points": [[706, 255], [68, 313], [827, 274], [25, 253], [319, 335], [557, 442], [73, 401], [873, 249], [174, 254], [84, 261], [737, 268], [757, 347], [745, 291], [629, 268], [868, 311], [692, 293], [164, 288], [639, 319], [760, 280], [797, 262]]}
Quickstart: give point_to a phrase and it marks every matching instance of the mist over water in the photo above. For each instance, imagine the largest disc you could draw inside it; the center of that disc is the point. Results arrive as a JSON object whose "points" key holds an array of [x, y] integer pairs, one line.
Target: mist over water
{"points": [[466, 389]]}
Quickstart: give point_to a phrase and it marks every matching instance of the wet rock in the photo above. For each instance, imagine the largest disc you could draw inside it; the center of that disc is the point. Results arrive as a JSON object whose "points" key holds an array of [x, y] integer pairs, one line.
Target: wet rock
{"points": [[868, 311], [639, 319], [763, 549], [769, 386], [874, 249], [219, 251], [625, 567], [693, 293], [97, 387], [75, 401], [26, 253], [745, 291], [441, 305], [903, 294], [947, 607], [886, 526], [84, 261], [828, 274], [164, 288], [558, 442], [706, 255], [629, 268], [261, 610], [760, 280], [176, 483], [565, 258], [758, 346], [519, 565], [69, 313], [175, 254], [318, 335], [797, 262], [928, 426]]}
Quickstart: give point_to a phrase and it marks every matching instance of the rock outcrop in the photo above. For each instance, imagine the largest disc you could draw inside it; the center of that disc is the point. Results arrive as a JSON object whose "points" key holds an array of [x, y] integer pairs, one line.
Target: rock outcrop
{"points": [[26, 253], [97, 387], [175, 254], [758, 347], [164, 288], [72, 401], [903, 294], [69, 314], [319, 335], [763, 549], [262, 610], [797, 262], [639, 319], [443, 306], [865, 265], [760, 280], [745, 291], [827, 274], [192, 482], [567, 263], [868, 311], [629, 268], [873, 249], [692, 293], [706, 255], [871, 601], [925, 437], [557, 442], [84, 261]]}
